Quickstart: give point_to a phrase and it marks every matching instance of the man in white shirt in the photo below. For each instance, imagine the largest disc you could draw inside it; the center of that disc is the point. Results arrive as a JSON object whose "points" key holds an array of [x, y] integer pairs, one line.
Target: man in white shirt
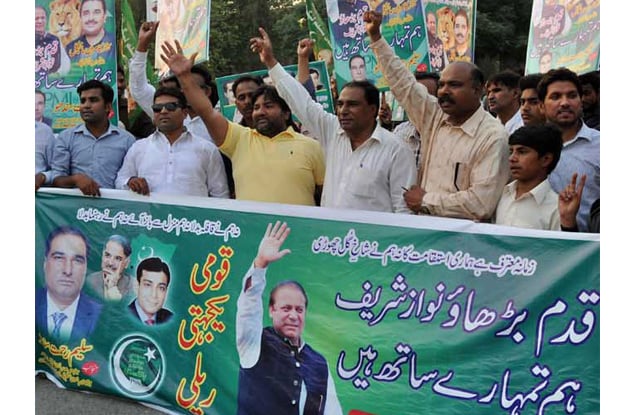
{"points": [[173, 160], [367, 167], [503, 95]]}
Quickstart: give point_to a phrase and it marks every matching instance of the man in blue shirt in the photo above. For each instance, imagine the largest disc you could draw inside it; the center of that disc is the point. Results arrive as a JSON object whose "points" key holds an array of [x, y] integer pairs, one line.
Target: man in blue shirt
{"points": [[560, 92], [89, 155]]}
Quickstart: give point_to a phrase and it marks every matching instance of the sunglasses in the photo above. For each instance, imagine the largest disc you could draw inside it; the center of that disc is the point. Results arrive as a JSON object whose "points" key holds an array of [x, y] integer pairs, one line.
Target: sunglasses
{"points": [[169, 106]]}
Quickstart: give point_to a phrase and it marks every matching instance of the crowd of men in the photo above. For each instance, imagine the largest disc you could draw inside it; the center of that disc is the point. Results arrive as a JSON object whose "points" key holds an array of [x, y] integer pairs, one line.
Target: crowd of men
{"points": [[510, 150]]}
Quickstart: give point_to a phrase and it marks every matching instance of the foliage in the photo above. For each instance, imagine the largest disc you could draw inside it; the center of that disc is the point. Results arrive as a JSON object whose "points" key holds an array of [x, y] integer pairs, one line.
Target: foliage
{"points": [[501, 32]]}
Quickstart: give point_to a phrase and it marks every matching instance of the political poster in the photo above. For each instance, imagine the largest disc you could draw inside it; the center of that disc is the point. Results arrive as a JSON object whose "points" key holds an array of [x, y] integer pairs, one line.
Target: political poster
{"points": [[563, 33], [170, 301], [74, 42]]}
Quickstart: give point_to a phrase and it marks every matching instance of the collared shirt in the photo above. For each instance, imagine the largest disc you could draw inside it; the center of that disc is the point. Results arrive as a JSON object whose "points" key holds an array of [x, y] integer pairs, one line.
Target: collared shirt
{"points": [[368, 178], [463, 168], [249, 330], [76, 150], [536, 209], [70, 311], [409, 134], [44, 144], [580, 155], [281, 169], [142, 315], [190, 166], [513, 123]]}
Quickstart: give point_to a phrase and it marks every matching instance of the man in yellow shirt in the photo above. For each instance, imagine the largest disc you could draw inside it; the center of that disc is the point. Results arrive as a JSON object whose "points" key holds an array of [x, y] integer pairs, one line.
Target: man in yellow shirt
{"points": [[271, 162]]}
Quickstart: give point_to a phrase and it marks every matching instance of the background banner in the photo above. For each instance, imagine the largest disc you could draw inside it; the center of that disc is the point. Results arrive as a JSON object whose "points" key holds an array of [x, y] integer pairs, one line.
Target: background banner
{"points": [[323, 94], [402, 26], [411, 314], [70, 50], [563, 33]]}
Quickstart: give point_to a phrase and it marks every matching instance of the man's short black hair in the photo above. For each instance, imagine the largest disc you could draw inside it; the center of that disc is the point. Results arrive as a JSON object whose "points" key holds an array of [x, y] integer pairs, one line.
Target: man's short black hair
{"points": [[103, 2], [507, 78], [556, 75], [427, 75], [171, 92], [544, 138], [270, 93], [153, 264], [107, 91], [530, 81], [590, 78], [66, 230], [372, 93], [355, 57], [246, 78], [38, 91]]}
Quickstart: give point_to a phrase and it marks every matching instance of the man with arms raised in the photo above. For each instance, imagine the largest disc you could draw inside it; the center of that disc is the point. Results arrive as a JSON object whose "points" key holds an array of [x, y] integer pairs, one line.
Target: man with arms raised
{"points": [[367, 166], [272, 162], [464, 149]]}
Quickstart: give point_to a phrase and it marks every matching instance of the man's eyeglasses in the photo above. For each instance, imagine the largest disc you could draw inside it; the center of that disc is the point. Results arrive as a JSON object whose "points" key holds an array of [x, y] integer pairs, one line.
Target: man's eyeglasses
{"points": [[169, 106]]}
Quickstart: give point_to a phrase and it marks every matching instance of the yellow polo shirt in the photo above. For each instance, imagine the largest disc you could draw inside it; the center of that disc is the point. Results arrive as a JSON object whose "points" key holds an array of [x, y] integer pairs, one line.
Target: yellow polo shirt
{"points": [[282, 169]]}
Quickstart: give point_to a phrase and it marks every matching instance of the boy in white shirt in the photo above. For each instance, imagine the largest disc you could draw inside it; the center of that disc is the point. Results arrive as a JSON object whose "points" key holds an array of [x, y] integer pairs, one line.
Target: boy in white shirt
{"points": [[529, 201]]}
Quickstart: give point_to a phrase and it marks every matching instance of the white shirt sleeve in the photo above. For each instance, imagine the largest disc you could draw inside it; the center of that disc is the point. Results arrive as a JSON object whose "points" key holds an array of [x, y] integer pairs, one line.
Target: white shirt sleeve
{"points": [[217, 182], [249, 320], [333, 406], [140, 89]]}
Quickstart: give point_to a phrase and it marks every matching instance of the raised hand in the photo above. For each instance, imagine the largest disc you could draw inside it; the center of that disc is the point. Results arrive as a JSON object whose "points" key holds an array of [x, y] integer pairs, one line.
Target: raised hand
{"points": [[305, 47], [262, 45], [269, 247], [569, 201], [174, 57], [146, 35], [373, 21]]}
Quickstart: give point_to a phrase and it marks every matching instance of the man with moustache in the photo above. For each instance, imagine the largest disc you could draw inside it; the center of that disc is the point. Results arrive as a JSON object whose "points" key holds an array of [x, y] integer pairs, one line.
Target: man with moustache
{"points": [[271, 162], [95, 46], [112, 283], [464, 149]]}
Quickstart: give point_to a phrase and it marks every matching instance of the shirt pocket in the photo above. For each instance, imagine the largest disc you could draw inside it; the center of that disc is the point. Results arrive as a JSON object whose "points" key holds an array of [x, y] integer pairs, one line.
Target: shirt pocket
{"points": [[459, 176]]}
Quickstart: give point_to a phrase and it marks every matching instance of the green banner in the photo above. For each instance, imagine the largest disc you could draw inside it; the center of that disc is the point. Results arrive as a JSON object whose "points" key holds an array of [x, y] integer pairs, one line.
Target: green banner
{"points": [[563, 33], [71, 48], [402, 26], [323, 94], [410, 315]]}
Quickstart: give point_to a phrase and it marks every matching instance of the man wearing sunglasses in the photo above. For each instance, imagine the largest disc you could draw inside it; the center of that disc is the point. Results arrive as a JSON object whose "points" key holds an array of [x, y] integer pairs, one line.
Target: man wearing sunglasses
{"points": [[173, 159]]}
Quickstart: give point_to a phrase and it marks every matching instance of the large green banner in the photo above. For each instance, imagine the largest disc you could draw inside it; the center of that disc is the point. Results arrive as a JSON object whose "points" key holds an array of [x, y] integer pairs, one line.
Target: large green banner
{"points": [[402, 314], [563, 33], [402, 26]]}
